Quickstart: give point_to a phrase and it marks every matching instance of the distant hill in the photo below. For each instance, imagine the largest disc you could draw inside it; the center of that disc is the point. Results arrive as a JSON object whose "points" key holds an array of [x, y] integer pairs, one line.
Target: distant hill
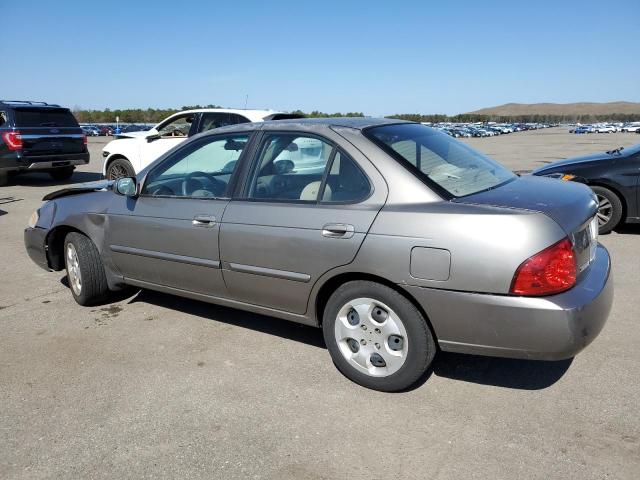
{"points": [[561, 109]]}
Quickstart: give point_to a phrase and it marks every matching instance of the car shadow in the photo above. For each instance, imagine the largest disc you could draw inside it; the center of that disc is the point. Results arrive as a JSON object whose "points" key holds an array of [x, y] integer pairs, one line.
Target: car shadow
{"points": [[494, 371], [261, 323], [500, 372], [42, 179], [628, 228]]}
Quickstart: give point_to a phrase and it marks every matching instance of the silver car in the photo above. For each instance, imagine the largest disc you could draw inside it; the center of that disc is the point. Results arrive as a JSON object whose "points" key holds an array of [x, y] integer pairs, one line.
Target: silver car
{"points": [[404, 242]]}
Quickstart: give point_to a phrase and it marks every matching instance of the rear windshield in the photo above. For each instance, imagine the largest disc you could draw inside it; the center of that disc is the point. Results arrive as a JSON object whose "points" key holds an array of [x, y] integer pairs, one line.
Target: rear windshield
{"points": [[450, 165], [44, 117]]}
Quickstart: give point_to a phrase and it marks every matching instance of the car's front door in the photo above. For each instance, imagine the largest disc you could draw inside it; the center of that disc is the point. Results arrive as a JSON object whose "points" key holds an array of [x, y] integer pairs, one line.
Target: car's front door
{"points": [[306, 209], [168, 235], [172, 132]]}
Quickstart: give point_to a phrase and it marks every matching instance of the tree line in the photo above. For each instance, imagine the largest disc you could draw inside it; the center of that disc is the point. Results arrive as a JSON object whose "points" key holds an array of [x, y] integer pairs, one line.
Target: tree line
{"points": [[155, 115]]}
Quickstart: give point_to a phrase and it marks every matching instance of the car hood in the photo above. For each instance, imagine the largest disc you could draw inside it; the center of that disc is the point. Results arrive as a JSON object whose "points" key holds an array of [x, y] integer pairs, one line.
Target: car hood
{"points": [[141, 134], [594, 157], [79, 188], [570, 204]]}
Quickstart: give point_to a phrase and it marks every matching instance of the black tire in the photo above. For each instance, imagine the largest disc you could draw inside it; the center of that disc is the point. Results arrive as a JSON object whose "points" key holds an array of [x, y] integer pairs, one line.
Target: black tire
{"points": [[421, 346], [614, 214], [62, 173], [4, 179], [119, 168], [94, 288]]}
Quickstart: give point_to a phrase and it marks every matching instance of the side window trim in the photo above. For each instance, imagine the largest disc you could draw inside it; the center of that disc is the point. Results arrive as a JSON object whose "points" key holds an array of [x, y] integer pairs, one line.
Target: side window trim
{"points": [[255, 159], [250, 164], [343, 154], [202, 142]]}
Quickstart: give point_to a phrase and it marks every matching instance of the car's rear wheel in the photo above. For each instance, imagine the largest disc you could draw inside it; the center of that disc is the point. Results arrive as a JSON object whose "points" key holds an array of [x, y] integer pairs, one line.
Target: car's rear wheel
{"points": [[609, 209], [61, 173], [377, 337], [85, 271], [120, 168], [4, 178]]}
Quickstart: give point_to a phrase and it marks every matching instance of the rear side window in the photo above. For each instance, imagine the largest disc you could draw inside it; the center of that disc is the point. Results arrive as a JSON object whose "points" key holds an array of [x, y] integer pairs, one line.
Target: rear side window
{"points": [[300, 168], [41, 117], [3, 118]]}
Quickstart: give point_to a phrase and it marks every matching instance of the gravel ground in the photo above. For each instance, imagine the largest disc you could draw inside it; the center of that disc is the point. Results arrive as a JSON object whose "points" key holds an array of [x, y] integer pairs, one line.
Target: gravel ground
{"points": [[157, 386]]}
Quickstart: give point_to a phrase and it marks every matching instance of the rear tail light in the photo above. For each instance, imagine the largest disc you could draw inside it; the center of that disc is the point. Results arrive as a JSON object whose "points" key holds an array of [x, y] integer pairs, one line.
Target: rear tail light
{"points": [[553, 270], [84, 138], [13, 140]]}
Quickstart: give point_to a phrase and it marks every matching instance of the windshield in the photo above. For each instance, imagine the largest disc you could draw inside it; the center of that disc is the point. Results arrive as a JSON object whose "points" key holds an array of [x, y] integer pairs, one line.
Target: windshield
{"points": [[435, 156]]}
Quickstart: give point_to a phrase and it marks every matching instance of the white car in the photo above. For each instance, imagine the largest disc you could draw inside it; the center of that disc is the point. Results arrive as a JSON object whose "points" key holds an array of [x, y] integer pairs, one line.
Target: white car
{"points": [[632, 127], [132, 151], [604, 129]]}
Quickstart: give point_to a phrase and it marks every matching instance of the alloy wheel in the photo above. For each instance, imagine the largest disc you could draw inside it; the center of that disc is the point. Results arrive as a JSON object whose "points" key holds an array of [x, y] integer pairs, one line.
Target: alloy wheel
{"points": [[117, 171], [605, 210], [73, 269]]}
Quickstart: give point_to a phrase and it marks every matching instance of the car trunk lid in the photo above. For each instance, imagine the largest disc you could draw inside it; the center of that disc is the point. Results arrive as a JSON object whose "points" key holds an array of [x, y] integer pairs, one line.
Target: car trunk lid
{"points": [[571, 205]]}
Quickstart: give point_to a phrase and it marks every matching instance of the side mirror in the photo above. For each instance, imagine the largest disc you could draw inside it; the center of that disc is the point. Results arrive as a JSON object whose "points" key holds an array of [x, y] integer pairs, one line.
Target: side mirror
{"points": [[283, 167], [125, 186], [152, 137]]}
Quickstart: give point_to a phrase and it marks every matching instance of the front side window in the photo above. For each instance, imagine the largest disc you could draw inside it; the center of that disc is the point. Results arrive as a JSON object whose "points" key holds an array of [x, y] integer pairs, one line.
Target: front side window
{"points": [[449, 164], [213, 120], [200, 170], [178, 127]]}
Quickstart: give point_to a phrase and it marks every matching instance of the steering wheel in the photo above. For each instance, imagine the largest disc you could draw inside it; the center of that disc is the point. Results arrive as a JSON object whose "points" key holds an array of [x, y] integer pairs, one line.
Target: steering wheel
{"points": [[190, 184]]}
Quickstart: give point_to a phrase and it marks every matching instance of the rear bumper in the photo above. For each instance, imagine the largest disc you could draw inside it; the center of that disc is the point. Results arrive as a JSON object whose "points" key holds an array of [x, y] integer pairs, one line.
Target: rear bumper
{"points": [[34, 242], [543, 328], [13, 162]]}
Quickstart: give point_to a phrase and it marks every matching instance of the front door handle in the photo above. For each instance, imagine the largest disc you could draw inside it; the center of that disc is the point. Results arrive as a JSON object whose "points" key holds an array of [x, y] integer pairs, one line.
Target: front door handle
{"points": [[338, 230], [207, 221]]}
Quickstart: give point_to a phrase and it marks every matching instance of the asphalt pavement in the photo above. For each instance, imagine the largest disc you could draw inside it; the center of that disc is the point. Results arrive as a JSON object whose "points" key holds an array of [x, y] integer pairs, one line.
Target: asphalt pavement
{"points": [[154, 386]]}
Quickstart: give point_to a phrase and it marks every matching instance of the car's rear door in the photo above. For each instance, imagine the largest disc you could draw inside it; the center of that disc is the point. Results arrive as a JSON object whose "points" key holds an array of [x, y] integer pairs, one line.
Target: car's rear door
{"points": [[168, 235], [305, 209]]}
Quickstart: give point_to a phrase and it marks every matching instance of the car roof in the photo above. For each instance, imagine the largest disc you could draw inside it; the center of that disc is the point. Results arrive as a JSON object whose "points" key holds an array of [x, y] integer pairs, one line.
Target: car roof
{"points": [[253, 115], [358, 123], [27, 104]]}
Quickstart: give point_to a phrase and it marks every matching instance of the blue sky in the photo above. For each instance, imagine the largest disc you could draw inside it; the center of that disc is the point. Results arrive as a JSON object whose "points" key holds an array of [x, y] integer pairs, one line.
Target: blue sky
{"points": [[375, 57]]}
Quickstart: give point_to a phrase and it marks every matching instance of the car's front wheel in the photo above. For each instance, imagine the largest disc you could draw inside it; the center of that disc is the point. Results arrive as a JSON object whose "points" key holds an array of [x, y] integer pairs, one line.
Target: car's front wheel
{"points": [[120, 168], [85, 271], [609, 209], [377, 337]]}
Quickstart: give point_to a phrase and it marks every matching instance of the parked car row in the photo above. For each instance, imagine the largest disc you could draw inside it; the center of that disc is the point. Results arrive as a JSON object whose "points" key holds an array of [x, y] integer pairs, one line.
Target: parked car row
{"points": [[487, 129], [112, 130], [606, 128]]}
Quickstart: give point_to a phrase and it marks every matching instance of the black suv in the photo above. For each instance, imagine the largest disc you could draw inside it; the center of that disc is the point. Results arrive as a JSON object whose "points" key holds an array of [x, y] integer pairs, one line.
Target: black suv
{"points": [[37, 136]]}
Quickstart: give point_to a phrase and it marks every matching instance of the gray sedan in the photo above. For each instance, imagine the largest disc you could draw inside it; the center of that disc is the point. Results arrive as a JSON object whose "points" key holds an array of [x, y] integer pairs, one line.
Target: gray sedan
{"points": [[394, 238]]}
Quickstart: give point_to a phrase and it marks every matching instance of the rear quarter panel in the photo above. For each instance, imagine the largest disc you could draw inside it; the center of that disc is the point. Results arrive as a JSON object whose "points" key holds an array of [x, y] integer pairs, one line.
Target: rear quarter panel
{"points": [[486, 244]]}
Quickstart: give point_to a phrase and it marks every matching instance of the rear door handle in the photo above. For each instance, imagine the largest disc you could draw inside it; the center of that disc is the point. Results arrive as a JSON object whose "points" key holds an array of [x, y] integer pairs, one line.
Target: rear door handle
{"points": [[206, 221], [338, 230]]}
